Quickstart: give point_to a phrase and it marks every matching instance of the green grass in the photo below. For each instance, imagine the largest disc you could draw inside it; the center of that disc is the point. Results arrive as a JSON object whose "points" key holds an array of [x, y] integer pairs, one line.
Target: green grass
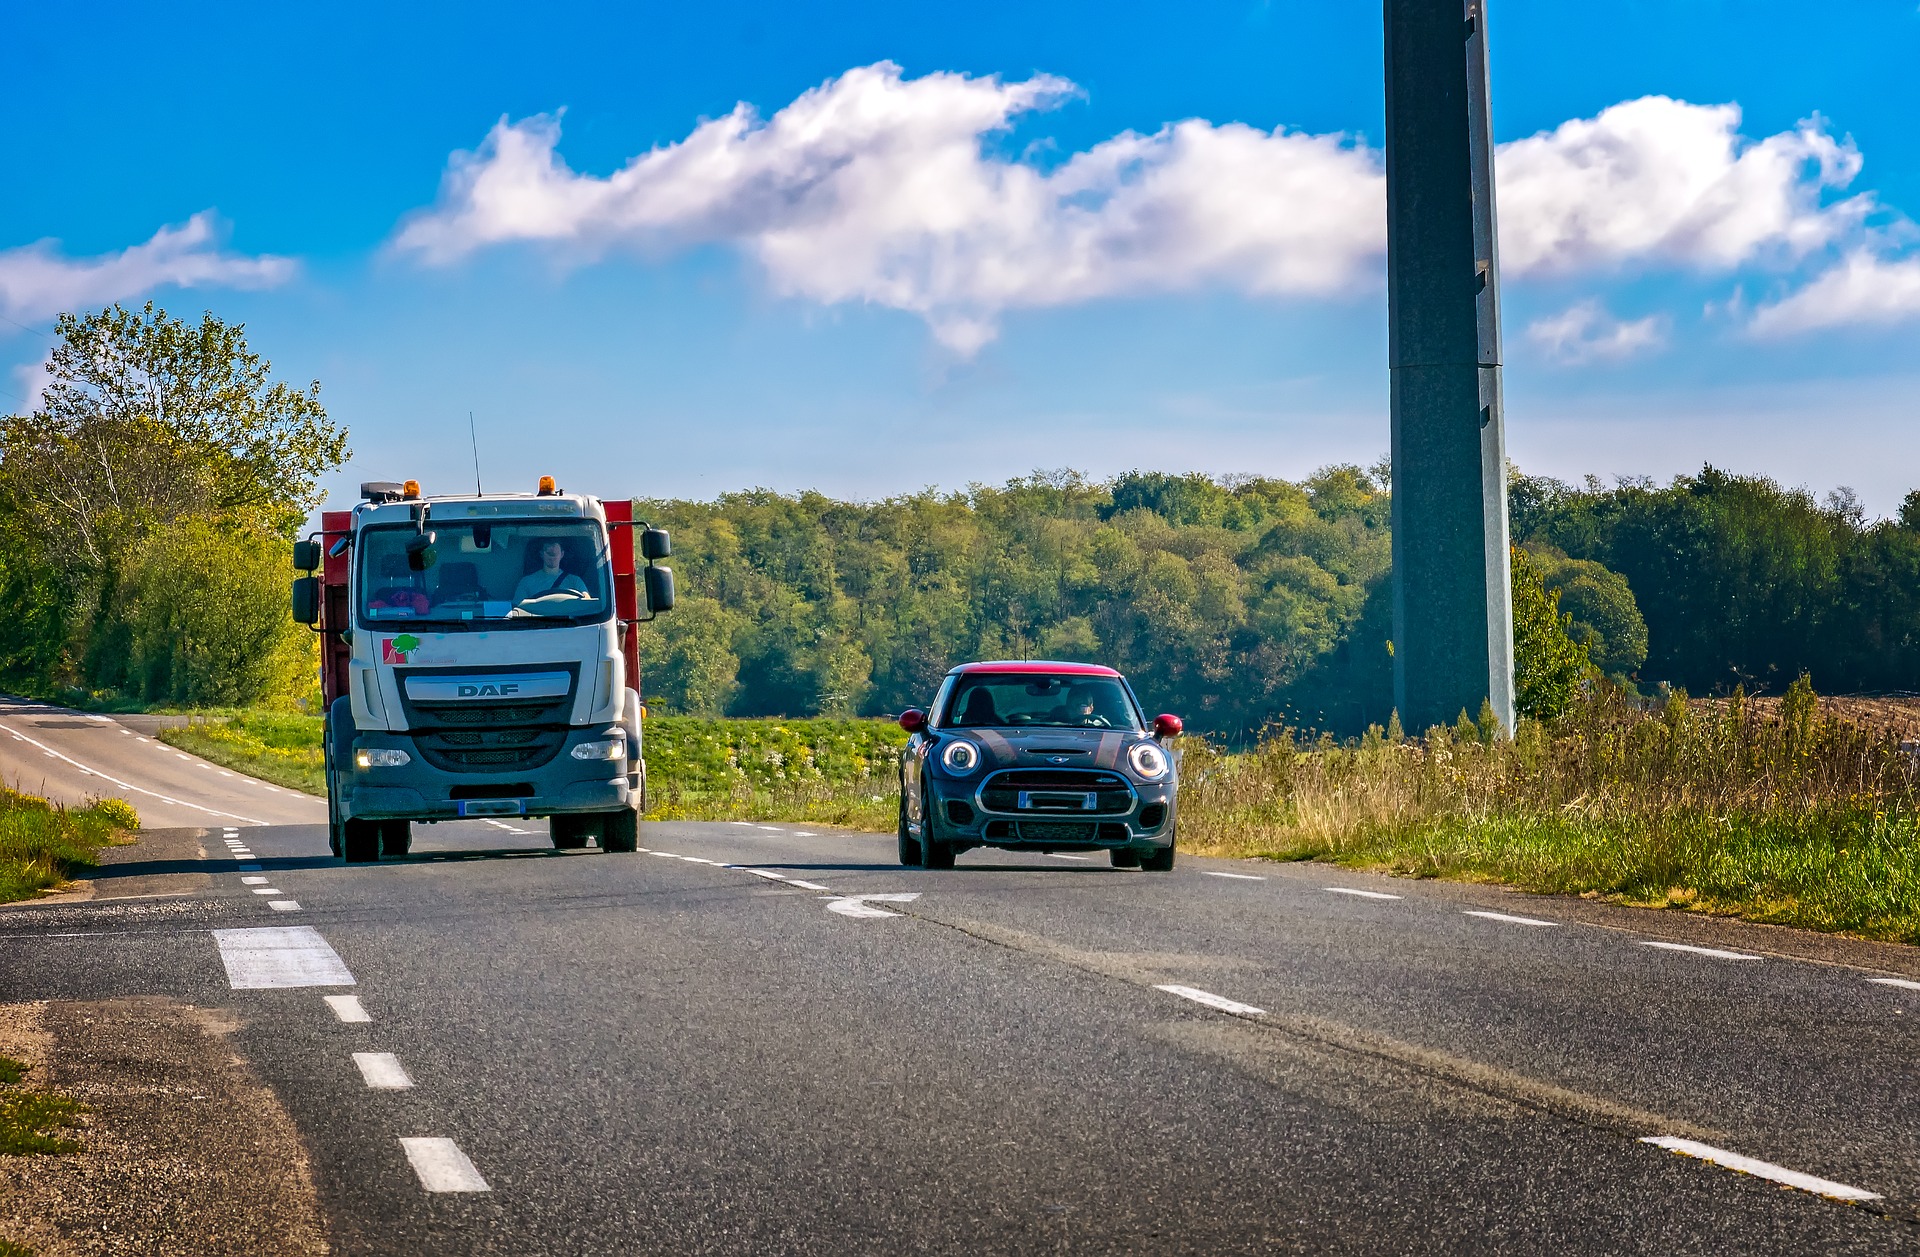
{"points": [[280, 747], [43, 845], [30, 1121]]}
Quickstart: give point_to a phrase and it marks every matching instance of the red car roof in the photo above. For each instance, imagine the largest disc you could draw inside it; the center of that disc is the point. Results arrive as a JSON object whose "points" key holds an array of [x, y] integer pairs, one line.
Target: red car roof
{"points": [[1036, 665]]}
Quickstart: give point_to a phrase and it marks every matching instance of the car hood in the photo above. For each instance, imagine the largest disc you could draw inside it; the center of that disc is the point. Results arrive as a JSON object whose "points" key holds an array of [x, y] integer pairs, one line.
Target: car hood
{"points": [[1053, 748]]}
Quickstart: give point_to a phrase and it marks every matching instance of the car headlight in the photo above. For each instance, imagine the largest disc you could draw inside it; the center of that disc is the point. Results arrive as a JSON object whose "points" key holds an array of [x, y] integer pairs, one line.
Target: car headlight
{"points": [[381, 757], [606, 748], [960, 756], [1148, 760]]}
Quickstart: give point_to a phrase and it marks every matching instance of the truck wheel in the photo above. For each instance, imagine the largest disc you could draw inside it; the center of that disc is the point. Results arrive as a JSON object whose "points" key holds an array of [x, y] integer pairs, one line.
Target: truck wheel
{"points": [[909, 849], [570, 833], [396, 837], [620, 831], [359, 841], [1125, 858], [1161, 861]]}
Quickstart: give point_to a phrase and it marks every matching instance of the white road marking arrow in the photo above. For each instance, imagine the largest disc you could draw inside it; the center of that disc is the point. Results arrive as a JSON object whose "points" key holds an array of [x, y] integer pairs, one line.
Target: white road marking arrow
{"points": [[862, 905]]}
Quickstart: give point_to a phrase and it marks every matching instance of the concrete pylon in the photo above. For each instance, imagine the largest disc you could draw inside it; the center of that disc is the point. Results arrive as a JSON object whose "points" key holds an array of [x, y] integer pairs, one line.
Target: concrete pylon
{"points": [[1452, 606]]}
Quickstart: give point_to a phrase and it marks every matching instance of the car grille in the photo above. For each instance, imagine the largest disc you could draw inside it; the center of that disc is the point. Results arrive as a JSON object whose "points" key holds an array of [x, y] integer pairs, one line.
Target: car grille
{"points": [[1112, 795]]}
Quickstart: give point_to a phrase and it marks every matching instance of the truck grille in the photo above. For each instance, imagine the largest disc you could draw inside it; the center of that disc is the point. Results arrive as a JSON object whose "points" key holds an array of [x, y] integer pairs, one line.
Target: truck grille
{"points": [[1057, 790], [468, 737]]}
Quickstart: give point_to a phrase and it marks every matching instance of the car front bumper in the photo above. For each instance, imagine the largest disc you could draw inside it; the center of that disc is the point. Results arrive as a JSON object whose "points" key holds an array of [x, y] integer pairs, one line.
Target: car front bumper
{"points": [[958, 817]]}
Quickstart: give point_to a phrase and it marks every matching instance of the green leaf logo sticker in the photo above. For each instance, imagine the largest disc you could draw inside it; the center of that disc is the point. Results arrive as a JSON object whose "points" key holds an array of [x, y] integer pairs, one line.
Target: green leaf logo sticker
{"points": [[395, 649]]}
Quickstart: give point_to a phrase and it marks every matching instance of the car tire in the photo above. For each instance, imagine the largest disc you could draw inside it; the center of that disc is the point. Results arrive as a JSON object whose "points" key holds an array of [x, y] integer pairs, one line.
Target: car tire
{"points": [[909, 848], [359, 841], [1125, 858], [570, 833], [934, 854], [1161, 861], [396, 838], [620, 831]]}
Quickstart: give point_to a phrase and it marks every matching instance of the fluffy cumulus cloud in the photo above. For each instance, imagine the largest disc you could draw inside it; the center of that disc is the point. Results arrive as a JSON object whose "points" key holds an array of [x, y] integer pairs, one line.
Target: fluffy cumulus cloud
{"points": [[879, 188], [1587, 333], [1863, 288], [37, 281]]}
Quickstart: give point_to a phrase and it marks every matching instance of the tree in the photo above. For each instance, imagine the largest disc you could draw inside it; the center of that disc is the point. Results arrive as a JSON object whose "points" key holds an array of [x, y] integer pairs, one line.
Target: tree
{"points": [[1548, 664], [1605, 617]]}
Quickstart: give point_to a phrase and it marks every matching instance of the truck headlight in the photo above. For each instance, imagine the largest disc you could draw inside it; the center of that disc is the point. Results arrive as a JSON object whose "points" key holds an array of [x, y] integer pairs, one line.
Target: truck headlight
{"points": [[606, 748], [1148, 760], [381, 757], [960, 756]]}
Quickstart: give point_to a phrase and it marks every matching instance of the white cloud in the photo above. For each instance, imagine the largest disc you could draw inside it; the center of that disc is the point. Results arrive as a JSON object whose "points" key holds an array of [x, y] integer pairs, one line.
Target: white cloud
{"points": [[1660, 179], [36, 281], [875, 188], [1861, 288], [878, 188], [1587, 333]]}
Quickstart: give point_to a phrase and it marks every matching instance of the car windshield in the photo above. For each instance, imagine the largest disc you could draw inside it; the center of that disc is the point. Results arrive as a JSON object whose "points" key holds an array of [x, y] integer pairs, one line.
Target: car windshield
{"points": [[504, 573], [1021, 701]]}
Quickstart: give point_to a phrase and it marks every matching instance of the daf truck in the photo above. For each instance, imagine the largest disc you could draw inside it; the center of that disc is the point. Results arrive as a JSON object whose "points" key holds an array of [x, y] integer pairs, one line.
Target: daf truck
{"points": [[479, 658]]}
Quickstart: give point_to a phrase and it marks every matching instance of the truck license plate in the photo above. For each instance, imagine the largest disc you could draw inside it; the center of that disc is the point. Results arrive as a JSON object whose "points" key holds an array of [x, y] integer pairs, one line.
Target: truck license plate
{"points": [[492, 807]]}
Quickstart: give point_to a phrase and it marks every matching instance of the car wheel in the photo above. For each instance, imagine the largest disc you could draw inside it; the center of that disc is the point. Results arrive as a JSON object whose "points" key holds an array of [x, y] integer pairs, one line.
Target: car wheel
{"points": [[359, 841], [570, 833], [1161, 861], [934, 854], [909, 848], [1125, 858]]}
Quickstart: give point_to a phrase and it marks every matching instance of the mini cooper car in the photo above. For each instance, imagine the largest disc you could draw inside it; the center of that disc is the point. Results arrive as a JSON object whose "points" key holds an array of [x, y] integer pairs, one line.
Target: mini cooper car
{"points": [[1037, 756]]}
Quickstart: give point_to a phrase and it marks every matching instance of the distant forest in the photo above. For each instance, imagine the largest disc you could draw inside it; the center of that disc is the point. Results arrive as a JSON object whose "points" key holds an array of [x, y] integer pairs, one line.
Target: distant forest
{"points": [[1243, 602]]}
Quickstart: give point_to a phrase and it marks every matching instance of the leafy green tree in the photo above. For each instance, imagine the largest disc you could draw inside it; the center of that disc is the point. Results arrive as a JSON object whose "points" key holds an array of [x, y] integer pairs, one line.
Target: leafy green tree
{"points": [[688, 665], [1548, 664], [1605, 617]]}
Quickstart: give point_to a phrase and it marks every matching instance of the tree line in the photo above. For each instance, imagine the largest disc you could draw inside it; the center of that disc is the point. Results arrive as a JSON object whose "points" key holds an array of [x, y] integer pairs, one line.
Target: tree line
{"points": [[148, 506]]}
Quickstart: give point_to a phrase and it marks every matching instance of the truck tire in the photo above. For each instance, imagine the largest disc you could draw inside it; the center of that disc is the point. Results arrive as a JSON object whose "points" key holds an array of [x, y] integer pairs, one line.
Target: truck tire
{"points": [[620, 830], [359, 841], [570, 833], [396, 838]]}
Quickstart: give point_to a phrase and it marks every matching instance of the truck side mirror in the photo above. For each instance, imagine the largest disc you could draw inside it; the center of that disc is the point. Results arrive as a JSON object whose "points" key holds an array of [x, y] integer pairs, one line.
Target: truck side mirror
{"points": [[306, 600], [421, 554], [655, 543], [306, 555], [659, 589]]}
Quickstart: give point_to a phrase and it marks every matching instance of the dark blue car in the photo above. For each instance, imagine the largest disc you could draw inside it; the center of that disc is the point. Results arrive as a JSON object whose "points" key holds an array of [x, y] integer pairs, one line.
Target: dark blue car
{"points": [[1037, 756]]}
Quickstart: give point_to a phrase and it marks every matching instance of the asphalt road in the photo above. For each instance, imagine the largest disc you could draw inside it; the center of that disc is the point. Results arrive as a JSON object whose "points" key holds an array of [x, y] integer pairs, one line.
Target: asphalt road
{"points": [[771, 1038]]}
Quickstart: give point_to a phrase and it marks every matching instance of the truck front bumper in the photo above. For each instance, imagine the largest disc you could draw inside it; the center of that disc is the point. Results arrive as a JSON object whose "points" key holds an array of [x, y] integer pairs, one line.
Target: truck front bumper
{"points": [[418, 791]]}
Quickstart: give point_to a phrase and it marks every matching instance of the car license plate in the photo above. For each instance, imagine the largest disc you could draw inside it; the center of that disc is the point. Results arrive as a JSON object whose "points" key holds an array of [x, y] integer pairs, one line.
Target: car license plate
{"points": [[492, 807], [1056, 801]]}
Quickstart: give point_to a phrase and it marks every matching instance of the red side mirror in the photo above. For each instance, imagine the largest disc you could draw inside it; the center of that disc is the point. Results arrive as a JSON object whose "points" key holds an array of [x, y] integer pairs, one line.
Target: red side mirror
{"points": [[1167, 727], [913, 720]]}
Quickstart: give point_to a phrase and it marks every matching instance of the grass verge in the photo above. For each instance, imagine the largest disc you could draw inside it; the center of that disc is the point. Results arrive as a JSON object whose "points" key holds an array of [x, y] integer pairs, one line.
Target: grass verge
{"points": [[280, 747], [31, 1121], [42, 845]]}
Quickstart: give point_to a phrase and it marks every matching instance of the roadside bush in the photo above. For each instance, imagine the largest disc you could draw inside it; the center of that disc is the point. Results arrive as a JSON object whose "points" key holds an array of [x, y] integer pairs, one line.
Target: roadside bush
{"points": [[42, 845]]}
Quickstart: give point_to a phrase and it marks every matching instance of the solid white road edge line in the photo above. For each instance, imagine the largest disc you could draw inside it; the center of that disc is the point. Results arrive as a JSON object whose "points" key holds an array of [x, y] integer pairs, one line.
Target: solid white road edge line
{"points": [[1715, 952], [1238, 877], [347, 1008], [1211, 1000], [794, 881], [442, 1167], [1364, 894], [1902, 983], [127, 785], [382, 1071], [1511, 920], [1759, 1169]]}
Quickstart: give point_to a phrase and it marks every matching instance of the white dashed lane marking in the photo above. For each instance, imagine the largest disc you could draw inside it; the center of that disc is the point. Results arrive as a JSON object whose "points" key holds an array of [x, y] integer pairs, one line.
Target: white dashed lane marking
{"points": [[1510, 920], [382, 1071], [253, 881], [1364, 894], [442, 1167], [264, 890], [1902, 983], [283, 905], [280, 956], [1715, 952], [1759, 1169], [794, 881], [348, 1009], [1211, 1000], [127, 785], [1238, 877]]}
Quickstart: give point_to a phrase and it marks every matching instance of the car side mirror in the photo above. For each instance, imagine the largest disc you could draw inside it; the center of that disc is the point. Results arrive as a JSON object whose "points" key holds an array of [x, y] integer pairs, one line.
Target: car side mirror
{"points": [[659, 589], [913, 720], [655, 543], [306, 600], [306, 555], [1165, 727]]}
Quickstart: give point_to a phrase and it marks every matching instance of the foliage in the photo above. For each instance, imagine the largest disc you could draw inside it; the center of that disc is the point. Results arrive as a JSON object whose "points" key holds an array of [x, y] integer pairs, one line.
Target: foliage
{"points": [[1548, 664], [42, 844], [1806, 819], [1603, 616], [276, 746], [840, 772], [30, 1120], [144, 503]]}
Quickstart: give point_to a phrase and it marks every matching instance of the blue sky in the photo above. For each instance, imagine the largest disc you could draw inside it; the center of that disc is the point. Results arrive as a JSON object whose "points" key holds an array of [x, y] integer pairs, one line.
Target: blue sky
{"points": [[892, 296]]}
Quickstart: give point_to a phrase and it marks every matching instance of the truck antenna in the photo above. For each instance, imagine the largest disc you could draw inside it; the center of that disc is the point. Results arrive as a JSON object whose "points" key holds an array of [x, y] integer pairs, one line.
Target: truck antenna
{"points": [[475, 438]]}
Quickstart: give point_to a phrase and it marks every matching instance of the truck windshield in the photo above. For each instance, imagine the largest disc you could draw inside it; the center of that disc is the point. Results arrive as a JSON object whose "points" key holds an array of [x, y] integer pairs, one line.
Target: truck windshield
{"points": [[991, 700], [506, 573]]}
